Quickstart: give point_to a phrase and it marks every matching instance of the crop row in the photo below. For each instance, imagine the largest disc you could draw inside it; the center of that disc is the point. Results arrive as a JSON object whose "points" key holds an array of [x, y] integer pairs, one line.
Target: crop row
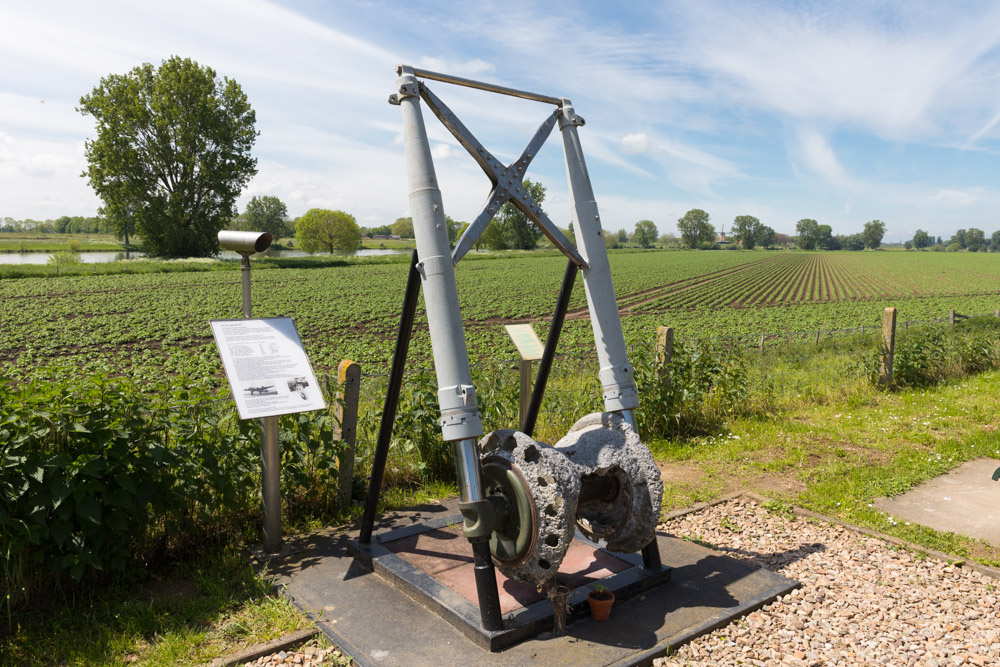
{"points": [[152, 324]]}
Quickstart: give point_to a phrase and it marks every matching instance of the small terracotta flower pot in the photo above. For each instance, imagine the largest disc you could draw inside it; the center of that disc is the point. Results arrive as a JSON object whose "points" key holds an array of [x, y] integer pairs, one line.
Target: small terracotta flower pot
{"points": [[600, 604]]}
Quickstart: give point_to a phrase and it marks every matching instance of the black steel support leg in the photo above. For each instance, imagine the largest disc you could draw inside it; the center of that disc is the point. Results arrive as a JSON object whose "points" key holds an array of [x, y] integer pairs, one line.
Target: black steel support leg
{"points": [[391, 400], [545, 365], [651, 555], [486, 587]]}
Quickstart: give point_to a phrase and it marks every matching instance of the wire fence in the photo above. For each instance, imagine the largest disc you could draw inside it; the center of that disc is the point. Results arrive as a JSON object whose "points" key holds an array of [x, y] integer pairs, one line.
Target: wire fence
{"points": [[786, 363]]}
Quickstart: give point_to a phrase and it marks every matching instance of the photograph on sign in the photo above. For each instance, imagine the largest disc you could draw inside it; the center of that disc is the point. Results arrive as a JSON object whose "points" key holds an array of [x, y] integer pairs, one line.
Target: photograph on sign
{"points": [[267, 367], [528, 345]]}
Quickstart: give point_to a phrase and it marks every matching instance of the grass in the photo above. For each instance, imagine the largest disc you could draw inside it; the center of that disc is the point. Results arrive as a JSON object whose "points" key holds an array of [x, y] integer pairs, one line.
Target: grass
{"points": [[206, 605], [834, 450], [838, 454], [30, 242]]}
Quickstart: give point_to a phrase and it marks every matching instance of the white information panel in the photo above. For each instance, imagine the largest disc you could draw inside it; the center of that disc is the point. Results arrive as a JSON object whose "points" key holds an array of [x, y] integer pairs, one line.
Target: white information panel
{"points": [[268, 370], [526, 341]]}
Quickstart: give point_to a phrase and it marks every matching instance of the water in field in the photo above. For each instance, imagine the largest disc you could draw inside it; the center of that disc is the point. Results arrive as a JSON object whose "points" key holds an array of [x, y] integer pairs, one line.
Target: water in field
{"points": [[114, 256], [85, 257]]}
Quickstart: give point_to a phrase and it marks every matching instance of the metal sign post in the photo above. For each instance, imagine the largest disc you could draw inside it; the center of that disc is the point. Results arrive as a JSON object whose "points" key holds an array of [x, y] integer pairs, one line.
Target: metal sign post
{"points": [[529, 349], [246, 244]]}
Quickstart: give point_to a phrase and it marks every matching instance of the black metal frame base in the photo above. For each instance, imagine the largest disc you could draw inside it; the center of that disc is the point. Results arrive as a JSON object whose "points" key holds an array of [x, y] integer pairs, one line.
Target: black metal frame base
{"points": [[518, 625]]}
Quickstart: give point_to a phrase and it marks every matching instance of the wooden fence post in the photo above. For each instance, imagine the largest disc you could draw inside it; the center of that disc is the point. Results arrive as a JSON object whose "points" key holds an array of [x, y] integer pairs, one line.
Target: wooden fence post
{"points": [[996, 313], [817, 336], [346, 413], [951, 317], [888, 345], [761, 346], [664, 352]]}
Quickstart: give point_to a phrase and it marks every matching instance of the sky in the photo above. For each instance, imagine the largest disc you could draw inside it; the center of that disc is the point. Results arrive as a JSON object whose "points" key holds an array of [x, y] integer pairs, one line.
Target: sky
{"points": [[842, 112]]}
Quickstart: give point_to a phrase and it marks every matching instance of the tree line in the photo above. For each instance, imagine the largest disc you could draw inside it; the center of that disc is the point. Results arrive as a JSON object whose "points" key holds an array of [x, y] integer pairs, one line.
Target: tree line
{"points": [[76, 224], [970, 240]]}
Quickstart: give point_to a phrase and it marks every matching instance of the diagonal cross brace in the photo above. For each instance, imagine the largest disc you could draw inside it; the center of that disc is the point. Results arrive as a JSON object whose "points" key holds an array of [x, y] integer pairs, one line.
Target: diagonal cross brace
{"points": [[507, 181]]}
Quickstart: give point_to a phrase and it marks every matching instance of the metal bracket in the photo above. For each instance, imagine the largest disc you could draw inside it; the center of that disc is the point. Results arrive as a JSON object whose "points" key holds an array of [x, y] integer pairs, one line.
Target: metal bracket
{"points": [[507, 180]]}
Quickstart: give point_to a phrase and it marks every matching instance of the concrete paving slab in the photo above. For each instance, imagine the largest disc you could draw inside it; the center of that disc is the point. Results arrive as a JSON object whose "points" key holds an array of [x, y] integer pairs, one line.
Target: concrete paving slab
{"points": [[375, 623], [964, 501]]}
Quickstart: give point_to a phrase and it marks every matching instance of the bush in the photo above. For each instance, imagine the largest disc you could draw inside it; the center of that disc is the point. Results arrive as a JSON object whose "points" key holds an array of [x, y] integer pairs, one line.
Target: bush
{"points": [[98, 474], [708, 383], [932, 355]]}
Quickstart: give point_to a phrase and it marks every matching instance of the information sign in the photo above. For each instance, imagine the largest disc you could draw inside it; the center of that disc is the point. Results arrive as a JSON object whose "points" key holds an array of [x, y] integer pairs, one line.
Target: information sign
{"points": [[268, 370], [526, 341]]}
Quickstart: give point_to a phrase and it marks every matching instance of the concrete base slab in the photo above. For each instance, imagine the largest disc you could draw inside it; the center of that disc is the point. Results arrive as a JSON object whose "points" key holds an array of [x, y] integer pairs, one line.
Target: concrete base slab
{"points": [[370, 619], [433, 564], [964, 501]]}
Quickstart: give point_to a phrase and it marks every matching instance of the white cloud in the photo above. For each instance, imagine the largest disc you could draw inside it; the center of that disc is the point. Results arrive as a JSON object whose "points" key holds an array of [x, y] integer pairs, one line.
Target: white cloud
{"points": [[819, 157], [952, 198]]}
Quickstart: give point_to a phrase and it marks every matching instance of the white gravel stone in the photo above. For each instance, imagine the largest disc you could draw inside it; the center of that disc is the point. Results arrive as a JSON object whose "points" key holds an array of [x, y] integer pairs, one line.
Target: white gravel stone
{"points": [[863, 601]]}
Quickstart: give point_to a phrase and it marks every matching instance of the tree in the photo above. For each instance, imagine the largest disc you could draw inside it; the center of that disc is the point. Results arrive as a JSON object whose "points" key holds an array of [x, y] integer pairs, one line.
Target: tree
{"points": [[645, 233], [403, 228], [995, 242], [173, 150], [872, 234], [921, 239], [808, 231], [265, 214], [622, 237], [492, 237], [853, 242], [695, 229], [824, 237], [324, 230], [519, 232], [908, 245], [454, 228], [745, 230], [975, 240], [958, 238], [766, 237]]}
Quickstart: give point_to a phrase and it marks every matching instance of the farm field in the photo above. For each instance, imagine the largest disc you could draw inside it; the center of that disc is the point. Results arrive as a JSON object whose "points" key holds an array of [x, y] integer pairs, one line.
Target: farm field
{"points": [[30, 242], [154, 323]]}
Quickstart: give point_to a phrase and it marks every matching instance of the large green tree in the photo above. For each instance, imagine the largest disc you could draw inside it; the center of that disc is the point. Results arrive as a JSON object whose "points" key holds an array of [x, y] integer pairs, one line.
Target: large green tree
{"points": [[645, 234], [872, 234], [975, 240], [765, 236], [173, 151], [921, 239], [517, 229], [695, 228], [322, 230], [746, 229], [265, 214], [403, 228], [808, 231], [995, 242]]}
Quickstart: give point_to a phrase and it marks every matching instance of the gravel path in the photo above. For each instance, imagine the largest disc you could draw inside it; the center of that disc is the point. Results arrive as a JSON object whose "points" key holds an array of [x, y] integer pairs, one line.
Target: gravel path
{"points": [[863, 601], [311, 654]]}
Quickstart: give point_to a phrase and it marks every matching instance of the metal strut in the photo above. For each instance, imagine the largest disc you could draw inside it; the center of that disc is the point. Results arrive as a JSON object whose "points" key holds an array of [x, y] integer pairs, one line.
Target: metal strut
{"points": [[551, 342], [391, 400]]}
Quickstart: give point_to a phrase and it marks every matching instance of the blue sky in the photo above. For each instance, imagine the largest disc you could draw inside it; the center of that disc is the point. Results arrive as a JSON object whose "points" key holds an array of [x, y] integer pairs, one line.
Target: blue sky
{"points": [[838, 111]]}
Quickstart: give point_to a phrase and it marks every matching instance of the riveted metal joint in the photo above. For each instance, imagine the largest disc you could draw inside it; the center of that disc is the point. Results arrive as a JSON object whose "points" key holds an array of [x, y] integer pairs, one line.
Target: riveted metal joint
{"points": [[411, 89]]}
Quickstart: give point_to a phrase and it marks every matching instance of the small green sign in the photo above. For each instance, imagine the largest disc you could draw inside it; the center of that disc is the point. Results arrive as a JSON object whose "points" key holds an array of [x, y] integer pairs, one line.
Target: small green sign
{"points": [[526, 341]]}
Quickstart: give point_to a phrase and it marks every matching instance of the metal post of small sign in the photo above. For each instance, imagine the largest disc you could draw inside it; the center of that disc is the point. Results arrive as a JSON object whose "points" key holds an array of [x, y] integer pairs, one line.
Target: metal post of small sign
{"points": [[246, 244], [529, 348]]}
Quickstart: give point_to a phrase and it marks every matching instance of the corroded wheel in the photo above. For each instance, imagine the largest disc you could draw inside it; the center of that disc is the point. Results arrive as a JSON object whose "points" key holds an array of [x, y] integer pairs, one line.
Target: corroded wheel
{"points": [[538, 488], [514, 535]]}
